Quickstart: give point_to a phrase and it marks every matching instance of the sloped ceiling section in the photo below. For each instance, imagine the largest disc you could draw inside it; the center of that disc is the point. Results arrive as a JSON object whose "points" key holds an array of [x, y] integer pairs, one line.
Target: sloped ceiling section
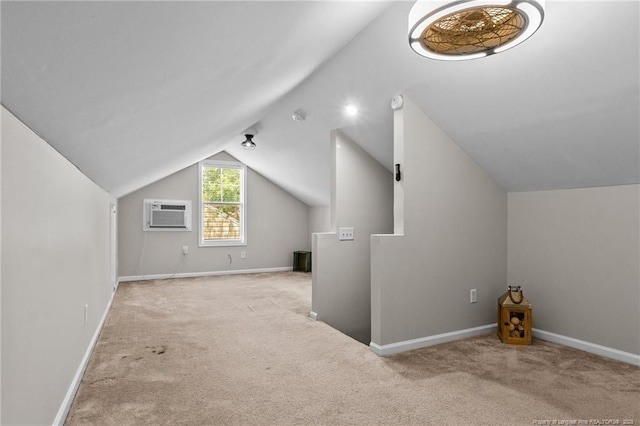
{"points": [[131, 92], [562, 110]]}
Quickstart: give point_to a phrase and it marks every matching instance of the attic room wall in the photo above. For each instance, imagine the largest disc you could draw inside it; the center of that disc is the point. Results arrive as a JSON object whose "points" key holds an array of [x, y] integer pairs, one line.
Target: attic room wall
{"points": [[3, 112], [277, 225], [454, 219], [55, 260], [362, 198], [319, 220], [576, 253]]}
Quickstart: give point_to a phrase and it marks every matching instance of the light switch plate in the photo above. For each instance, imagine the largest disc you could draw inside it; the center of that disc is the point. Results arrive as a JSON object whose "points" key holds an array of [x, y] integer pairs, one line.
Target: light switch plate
{"points": [[346, 234]]}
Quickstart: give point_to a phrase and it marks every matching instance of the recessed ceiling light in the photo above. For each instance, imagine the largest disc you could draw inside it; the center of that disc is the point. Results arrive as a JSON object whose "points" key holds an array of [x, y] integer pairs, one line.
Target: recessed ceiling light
{"points": [[351, 110], [469, 29]]}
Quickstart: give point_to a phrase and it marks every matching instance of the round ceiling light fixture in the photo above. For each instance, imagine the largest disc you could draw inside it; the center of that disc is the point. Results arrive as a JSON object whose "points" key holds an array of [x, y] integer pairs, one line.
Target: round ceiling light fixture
{"points": [[470, 29]]}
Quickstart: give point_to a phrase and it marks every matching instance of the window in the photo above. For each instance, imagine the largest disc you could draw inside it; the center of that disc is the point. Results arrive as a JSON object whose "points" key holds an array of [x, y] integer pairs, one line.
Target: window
{"points": [[222, 203]]}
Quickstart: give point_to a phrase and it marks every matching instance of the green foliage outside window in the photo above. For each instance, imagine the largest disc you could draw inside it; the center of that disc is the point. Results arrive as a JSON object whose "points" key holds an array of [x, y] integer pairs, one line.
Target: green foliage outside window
{"points": [[220, 184], [221, 198]]}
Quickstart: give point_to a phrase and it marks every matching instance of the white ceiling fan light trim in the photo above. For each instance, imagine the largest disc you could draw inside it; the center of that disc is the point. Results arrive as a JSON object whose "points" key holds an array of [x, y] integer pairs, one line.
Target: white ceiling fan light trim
{"points": [[425, 13]]}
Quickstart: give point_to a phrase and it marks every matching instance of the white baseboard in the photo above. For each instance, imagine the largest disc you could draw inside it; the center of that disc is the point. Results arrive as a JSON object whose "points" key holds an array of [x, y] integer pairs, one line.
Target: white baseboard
{"points": [[63, 411], [604, 351], [203, 274], [593, 348], [313, 315], [423, 342]]}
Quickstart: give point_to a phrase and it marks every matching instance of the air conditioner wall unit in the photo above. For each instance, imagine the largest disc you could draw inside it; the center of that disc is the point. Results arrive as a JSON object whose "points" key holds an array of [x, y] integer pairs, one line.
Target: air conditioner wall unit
{"points": [[166, 215]]}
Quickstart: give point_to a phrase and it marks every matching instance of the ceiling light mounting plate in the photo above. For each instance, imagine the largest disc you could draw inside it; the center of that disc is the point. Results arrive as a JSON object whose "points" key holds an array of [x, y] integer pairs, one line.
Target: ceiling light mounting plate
{"points": [[470, 29]]}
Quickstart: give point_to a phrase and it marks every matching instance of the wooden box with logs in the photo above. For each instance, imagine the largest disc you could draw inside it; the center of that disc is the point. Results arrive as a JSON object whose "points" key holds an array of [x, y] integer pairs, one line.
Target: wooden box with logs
{"points": [[514, 317]]}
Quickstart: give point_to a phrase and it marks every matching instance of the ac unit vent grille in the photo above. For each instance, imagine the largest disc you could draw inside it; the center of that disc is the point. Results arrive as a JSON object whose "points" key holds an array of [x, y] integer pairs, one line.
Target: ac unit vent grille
{"points": [[172, 207], [167, 215], [167, 218]]}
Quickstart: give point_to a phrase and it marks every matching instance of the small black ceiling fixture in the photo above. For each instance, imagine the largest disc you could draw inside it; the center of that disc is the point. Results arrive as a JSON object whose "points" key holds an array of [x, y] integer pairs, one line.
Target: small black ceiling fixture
{"points": [[248, 143]]}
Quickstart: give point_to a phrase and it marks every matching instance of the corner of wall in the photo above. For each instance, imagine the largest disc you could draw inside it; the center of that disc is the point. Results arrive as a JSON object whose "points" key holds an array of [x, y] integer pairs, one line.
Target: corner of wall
{"points": [[452, 217], [2, 112], [361, 197], [582, 245], [398, 160]]}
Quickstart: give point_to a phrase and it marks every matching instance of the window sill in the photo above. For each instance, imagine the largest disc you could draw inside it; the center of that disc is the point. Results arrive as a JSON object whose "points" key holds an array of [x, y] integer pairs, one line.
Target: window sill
{"points": [[222, 244]]}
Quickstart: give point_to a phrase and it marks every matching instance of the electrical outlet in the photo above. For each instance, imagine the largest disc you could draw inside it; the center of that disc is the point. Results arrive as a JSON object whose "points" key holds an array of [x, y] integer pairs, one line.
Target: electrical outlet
{"points": [[243, 255], [185, 249], [473, 295], [346, 234]]}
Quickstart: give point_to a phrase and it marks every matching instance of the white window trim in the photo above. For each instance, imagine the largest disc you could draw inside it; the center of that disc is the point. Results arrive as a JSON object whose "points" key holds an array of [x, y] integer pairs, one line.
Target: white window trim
{"points": [[243, 201]]}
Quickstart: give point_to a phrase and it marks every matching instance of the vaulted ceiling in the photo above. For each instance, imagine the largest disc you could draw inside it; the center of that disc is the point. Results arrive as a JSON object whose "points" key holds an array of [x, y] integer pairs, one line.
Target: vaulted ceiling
{"points": [[131, 92]]}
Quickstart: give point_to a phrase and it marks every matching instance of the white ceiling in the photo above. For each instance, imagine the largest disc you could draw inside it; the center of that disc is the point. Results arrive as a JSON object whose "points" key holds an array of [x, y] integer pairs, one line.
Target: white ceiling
{"points": [[131, 92]]}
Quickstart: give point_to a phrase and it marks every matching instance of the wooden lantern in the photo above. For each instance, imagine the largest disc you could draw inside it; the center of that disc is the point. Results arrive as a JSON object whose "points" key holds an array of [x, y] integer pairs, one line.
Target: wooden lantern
{"points": [[514, 317]]}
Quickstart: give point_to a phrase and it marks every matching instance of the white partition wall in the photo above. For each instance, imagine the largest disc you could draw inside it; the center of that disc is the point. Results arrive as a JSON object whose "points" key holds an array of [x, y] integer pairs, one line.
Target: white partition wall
{"points": [[361, 198], [451, 237]]}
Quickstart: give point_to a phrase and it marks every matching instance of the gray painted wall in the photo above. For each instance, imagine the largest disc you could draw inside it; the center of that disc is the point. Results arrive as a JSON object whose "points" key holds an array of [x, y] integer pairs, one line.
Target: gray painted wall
{"points": [[277, 225], [319, 220], [362, 198], [576, 254], [55, 260], [454, 219], [1, 136]]}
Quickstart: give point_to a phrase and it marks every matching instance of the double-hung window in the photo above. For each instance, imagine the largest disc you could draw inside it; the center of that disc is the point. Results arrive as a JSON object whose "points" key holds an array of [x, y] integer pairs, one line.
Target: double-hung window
{"points": [[222, 203]]}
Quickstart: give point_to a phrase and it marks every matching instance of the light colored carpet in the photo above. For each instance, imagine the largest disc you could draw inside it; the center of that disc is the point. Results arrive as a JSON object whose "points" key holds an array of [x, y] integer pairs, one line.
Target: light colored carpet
{"points": [[241, 350]]}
